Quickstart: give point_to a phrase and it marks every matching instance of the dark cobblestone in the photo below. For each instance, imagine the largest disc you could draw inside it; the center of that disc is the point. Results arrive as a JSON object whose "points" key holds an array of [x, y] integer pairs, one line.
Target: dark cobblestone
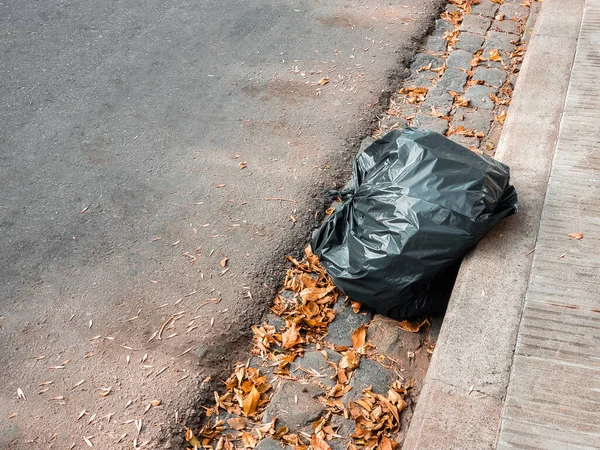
{"points": [[342, 427], [469, 41], [369, 373], [435, 44], [431, 123], [453, 80], [424, 59], [426, 79], [314, 361], [496, 40], [514, 11], [475, 24], [465, 141], [459, 59], [275, 321], [491, 77], [473, 119], [346, 321], [391, 340], [506, 26], [441, 27], [479, 96], [439, 99], [296, 415], [485, 8]]}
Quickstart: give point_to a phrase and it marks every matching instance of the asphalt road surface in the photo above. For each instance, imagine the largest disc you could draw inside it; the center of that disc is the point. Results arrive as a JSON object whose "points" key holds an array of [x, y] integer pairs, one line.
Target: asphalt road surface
{"points": [[139, 145]]}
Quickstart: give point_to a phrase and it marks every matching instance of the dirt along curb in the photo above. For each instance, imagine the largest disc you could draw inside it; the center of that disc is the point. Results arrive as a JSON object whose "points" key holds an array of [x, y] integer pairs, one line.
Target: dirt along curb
{"points": [[323, 373]]}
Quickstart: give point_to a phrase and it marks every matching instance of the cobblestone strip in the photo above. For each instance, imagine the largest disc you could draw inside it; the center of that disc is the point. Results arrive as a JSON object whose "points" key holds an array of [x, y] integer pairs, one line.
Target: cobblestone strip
{"points": [[460, 85]]}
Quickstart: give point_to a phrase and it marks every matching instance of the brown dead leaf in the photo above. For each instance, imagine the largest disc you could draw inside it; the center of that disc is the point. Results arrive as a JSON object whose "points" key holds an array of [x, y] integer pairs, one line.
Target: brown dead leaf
{"points": [[243, 164], [220, 186], [237, 423], [412, 327], [316, 443], [350, 360], [291, 337], [495, 55], [500, 2], [387, 444], [359, 337], [224, 262], [500, 117], [577, 236], [192, 440], [250, 402], [248, 440], [330, 211], [323, 81]]}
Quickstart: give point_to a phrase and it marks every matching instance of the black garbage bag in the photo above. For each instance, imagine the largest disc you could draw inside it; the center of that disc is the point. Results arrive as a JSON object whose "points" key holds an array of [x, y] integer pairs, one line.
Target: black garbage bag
{"points": [[418, 203]]}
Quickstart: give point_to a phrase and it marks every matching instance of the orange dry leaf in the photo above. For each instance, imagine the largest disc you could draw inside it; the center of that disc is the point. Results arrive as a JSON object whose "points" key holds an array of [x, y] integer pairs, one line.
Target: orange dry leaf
{"points": [[577, 236], [359, 337], [323, 81], [500, 2], [192, 440], [248, 440], [350, 360], [224, 262], [316, 443], [250, 402], [236, 423], [495, 55], [330, 211], [291, 337], [412, 327], [500, 117]]}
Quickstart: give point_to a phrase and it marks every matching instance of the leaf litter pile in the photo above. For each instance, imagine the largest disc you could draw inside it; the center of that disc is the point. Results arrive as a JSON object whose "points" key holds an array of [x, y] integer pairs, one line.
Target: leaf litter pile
{"points": [[306, 305]]}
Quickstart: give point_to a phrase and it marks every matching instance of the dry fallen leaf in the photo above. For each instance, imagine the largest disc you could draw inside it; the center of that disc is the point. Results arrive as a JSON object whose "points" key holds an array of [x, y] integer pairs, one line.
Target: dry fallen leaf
{"points": [[495, 55], [250, 402], [323, 81], [330, 211], [243, 165], [224, 262], [192, 440], [316, 443], [220, 186], [577, 236], [291, 337], [412, 327], [236, 423], [20, 394], [359, 337]]}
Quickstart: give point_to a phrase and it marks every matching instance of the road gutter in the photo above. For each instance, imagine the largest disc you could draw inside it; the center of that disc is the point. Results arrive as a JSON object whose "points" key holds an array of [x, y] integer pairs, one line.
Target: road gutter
{"points": [[463, 395]]}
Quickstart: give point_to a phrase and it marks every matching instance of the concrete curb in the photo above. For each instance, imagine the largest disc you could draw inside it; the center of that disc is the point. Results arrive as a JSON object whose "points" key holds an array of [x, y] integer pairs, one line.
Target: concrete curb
{"points": [[461, 403]]}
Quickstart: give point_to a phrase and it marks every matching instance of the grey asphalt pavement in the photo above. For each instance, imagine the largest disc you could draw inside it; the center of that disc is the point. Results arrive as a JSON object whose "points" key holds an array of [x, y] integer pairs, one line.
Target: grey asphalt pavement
{"points": [[124, 129]]}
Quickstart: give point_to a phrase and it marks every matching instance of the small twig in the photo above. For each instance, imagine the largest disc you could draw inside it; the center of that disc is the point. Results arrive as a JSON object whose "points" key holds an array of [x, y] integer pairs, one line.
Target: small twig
{"points": [[281, 199]]}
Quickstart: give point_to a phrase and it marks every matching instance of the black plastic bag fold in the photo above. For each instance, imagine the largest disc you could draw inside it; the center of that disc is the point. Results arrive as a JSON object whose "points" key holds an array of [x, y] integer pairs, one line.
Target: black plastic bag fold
{"points": [[418, 203]]}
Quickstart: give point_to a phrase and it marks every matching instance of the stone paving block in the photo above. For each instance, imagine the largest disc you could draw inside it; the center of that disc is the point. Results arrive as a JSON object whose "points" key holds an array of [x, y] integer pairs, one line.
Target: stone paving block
{"points": [[275, 321], [453, 80], [392, 123], [441, 27], [431, 123], [459, 59], [506, 26], [296, 415], [391, 340], [514, 11], [473, 119], [426, 78], [465, 141], [314, 361], [435, 44], [343, 427], [346, 321], [475, 24], [439, 99], [485, 8], [491, 77], [271, 444], [479, 96], [424, 59], [469, 41], [496, 40], [369, 373]]}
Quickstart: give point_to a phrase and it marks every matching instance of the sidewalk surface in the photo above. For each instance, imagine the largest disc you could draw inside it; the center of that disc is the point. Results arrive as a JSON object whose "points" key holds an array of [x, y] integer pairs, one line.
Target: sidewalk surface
{"points": [[518, 357]]}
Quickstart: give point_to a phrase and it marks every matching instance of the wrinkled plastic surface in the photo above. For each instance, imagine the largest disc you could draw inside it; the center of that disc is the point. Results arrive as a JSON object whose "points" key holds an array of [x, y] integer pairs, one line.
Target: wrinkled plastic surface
{"points": [[419, 202]]}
